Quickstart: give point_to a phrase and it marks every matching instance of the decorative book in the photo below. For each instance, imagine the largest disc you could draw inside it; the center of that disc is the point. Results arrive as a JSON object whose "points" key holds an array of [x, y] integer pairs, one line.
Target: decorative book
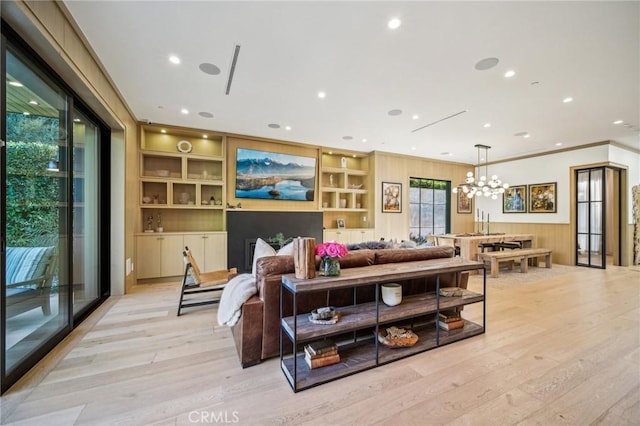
{"points": [[322, 361], [321, 347], [451, 325], [449, 316]]}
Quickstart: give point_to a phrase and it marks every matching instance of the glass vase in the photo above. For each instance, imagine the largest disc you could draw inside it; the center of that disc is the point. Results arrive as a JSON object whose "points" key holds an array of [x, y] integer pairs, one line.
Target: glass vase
{"points": [[329, 267]]}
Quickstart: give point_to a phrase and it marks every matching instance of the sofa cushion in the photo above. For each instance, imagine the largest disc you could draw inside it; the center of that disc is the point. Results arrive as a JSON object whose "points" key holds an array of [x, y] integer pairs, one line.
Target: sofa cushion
{"points": [[409, 255], [287, 250], [356, 259], [261, 249], [26, 263]]}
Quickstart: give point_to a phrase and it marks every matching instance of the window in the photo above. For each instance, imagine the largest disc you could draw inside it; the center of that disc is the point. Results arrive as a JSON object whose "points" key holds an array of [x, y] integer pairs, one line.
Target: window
{"points": [[429, 207]]}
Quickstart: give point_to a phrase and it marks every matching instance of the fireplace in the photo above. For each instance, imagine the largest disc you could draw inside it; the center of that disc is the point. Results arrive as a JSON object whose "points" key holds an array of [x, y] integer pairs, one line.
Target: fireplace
{"points": [[244, 227]]}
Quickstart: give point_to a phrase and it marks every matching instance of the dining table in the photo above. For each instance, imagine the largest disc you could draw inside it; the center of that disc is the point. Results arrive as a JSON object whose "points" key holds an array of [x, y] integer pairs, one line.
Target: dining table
{"points": [[469, 242]]}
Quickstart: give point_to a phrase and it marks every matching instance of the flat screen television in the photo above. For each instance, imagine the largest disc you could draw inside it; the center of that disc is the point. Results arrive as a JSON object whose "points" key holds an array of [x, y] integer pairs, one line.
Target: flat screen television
{"points": [[274, 176]]}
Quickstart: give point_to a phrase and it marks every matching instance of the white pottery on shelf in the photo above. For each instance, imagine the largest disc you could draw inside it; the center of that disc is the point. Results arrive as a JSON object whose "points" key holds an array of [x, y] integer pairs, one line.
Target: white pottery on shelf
{"points": [[184, 198], [391, 294]]}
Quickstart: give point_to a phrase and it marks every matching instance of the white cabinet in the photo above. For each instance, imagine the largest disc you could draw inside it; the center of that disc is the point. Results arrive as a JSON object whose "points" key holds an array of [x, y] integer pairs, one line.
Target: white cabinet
{"points": [[209, 249], [159, 255], [361, 235], [348, 236]]}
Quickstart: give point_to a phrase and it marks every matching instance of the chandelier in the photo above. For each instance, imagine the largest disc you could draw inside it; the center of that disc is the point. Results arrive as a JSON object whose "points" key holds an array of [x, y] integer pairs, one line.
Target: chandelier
{"points": [[482, 187]]}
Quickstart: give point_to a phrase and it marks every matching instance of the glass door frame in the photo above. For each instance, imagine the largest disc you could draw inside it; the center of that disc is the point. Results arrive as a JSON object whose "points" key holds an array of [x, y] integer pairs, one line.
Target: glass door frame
{"points": [[102, 242], [590, 203]]}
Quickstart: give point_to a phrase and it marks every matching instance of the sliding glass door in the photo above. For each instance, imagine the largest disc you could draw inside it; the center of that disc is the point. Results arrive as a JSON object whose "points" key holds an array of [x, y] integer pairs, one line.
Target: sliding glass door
{"points": [[54, 258], [36, 199]]}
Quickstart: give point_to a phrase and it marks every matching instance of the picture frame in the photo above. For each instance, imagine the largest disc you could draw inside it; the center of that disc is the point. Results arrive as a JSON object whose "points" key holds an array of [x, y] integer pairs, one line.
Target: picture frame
{"points": [[340, 223], [514, 199], [543, 197], [465, 204], [391, 197], [270, 175]]}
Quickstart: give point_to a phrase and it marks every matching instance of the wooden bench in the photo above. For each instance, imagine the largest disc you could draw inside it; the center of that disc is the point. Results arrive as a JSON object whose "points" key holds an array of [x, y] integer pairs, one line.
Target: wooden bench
{"points": [[522, 255]]}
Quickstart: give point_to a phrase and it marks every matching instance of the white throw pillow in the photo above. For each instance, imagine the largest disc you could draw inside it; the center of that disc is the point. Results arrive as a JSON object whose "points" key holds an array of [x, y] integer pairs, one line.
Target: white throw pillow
{"points": [[287, 250], [262, 249]]}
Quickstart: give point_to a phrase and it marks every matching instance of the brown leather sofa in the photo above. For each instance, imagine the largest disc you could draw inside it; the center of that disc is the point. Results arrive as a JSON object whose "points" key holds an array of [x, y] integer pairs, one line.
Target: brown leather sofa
{"points": [[257, 333]]}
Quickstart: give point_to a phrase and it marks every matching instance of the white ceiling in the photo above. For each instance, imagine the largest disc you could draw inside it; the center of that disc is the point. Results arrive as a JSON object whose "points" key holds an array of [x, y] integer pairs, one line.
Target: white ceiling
{"points": [[291, 50]]}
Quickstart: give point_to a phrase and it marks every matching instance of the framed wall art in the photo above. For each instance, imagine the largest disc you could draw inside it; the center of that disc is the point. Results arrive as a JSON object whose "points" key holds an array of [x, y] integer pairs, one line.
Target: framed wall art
{"points": [[542, 198], [514, 199], [465, 204], [391, 197]]}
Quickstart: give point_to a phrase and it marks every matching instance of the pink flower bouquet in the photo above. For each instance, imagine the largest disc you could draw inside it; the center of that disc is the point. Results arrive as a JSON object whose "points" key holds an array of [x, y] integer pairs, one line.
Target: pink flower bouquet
{"points": [[331, 249]]}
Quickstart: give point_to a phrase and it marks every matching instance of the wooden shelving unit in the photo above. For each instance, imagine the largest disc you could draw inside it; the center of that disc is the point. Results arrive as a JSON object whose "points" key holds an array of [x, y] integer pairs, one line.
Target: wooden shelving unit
{"points": [[366, 319], [345, 189], [182, 184]]}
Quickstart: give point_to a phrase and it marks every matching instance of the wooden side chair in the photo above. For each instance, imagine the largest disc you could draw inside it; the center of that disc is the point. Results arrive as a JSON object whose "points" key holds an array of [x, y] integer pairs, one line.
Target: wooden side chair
{"points": [[195, 282]]}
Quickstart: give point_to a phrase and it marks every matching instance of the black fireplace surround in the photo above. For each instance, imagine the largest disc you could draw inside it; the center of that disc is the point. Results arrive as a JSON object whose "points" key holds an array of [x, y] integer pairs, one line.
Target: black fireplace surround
{"points": [[244, 227]]}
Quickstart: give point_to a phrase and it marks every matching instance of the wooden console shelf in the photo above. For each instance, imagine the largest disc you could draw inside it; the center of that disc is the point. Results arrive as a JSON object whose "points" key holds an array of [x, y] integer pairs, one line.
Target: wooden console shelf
{"points": [[363, 321]]}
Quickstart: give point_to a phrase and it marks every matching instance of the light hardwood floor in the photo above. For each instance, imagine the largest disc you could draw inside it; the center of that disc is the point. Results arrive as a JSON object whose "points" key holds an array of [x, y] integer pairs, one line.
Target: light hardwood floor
{"points": [[560, 349]]}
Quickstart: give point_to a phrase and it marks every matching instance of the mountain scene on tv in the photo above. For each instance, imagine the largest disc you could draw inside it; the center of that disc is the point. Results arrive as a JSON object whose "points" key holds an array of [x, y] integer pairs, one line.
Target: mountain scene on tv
{"points": [[274, 176]]}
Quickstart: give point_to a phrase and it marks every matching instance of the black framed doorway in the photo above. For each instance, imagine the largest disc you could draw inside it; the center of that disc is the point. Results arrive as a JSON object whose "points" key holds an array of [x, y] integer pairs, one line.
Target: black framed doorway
{"points": [[597, 217]]}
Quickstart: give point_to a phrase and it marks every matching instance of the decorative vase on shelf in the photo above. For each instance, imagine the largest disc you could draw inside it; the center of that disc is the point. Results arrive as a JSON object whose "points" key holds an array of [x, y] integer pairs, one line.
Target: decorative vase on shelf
{"points": [[330, 253], [329, 266]]}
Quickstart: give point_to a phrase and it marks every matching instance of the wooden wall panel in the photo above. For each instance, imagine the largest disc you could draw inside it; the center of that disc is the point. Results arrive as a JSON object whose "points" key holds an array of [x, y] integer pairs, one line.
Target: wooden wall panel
{"points": [[556, 237], [398, 168]]}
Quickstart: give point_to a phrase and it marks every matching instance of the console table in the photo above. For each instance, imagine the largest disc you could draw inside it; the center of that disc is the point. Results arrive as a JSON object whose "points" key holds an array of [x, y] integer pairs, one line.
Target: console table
{"points": [[362, 322]]}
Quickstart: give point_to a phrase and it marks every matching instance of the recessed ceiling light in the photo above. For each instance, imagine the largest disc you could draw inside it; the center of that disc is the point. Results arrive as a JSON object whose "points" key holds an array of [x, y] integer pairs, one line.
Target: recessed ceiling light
{"points": [[347, 138], [287, 127], [205, 136], [205, 114], [16, 84], [33, 102], [208, 68], [174, 59], [445, 153], [533, 83], [486, 63], [274, 126], [394, 23], [413, 148], [567, 99], [486, 125], [395, 112], [184, 111], [618, 122], [322, 95], [509, 74], [415, 116], [559, 144], [520, 134], [26, 113], [354, 156], [330, 152], [364, 140], [163, 131], [526, 135]]}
